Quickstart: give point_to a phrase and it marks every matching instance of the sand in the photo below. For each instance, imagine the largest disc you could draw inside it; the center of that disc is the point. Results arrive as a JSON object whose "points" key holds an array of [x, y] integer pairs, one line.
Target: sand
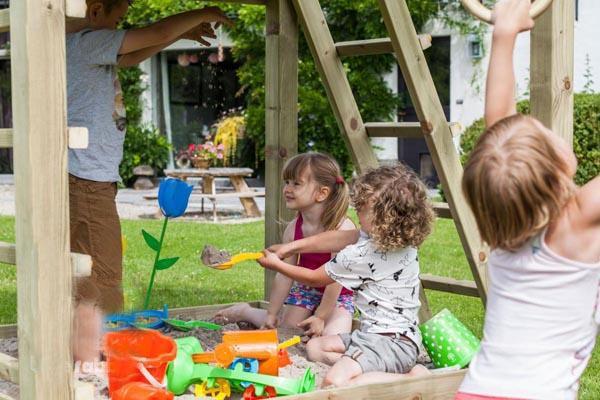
{"points": [[212, 256]]}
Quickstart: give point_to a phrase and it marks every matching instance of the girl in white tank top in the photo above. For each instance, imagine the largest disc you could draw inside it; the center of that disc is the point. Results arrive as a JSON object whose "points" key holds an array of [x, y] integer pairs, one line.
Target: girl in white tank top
{"points": [[543, 272]]}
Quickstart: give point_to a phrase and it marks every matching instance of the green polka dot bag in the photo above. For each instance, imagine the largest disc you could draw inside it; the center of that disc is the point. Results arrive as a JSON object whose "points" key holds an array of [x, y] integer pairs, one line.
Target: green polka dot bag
{"points": [[448, 341]]}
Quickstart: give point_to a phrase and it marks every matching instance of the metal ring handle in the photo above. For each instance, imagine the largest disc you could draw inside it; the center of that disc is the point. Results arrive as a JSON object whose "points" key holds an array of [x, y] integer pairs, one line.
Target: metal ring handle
{"points": [[485, 14]]}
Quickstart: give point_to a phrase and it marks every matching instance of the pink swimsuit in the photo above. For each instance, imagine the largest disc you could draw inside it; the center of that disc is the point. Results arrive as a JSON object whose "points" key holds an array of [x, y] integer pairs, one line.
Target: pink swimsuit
{"points": [[309, 297]]}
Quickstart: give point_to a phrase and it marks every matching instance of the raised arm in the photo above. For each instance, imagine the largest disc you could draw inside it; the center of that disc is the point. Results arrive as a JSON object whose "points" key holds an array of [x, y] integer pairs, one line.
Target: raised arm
{"points": [[326, 242], [309, 277], [170, 29], [510, 18]]}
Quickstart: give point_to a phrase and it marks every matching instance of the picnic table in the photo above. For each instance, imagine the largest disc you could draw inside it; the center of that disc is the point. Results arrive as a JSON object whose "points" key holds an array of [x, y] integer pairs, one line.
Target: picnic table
{"points": [[236, 176]]}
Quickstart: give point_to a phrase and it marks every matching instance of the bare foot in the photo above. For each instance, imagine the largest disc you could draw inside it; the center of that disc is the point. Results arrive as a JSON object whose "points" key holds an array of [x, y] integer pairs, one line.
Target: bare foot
{"points": [[232, 314]]}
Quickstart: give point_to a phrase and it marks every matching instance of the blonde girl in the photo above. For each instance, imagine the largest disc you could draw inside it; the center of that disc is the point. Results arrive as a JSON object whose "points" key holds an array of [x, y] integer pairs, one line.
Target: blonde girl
{"points": [[544, 232], [314, 188]]}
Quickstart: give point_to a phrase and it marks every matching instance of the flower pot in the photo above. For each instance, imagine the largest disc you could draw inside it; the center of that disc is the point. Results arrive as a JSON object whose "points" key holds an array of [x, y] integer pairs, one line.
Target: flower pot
{"points": [[201, 163]]}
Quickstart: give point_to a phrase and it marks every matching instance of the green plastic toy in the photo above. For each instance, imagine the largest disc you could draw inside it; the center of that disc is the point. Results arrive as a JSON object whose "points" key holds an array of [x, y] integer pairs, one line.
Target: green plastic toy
{"points": [[448, 341], [187, 326], [183, 372]]}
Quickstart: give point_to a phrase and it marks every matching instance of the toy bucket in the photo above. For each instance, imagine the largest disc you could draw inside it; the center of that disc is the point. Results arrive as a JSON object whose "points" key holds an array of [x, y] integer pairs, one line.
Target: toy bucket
{"points": [[141, 391], [448, 341], [137, 356]]}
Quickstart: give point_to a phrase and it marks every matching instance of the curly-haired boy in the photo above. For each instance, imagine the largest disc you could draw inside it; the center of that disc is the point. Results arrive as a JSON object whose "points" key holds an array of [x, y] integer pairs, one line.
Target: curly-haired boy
{"points": [[380, 264]]}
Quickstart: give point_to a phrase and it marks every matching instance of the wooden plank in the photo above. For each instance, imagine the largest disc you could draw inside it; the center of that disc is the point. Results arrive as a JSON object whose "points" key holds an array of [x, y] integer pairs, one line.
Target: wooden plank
{"points": [[551, 72], [436, 130], [81, 263], [404, 130], [281, 115], [78, 138], [336, 83], [249, 204], [185, 173], [84, 390], [371, 47], [4, 20], [44, 276], [425, 313], [442, 210], [75, 8], [195, 312], [440, 386], [9, 368], [449, 285]]}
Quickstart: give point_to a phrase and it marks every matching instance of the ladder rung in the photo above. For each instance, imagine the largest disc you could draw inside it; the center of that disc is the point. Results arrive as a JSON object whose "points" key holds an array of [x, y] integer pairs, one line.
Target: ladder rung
{"points": [[4, 20], [405, 130], [78, 138], [371, 47], [449, 285], [442, 210]]}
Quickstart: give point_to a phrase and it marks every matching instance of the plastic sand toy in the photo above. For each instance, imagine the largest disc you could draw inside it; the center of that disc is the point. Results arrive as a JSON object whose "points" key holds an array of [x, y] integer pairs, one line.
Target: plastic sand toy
{"points": [[148, 319], [189, 325], [137, 356], [213, 258], [183, 372], [448, 342], [220, 389], [141, 391]]}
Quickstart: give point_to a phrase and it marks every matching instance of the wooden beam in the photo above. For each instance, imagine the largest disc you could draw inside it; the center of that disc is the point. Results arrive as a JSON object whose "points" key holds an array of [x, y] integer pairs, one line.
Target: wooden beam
{"points": [[254, 2], [81, 263], [371, 47], [437, 132], [336, 83], [442, 210], [9, 368], [449, 285], [439, 386], [4, 20], [281, 117], [44, 276], [75, 8], [551, 75], [78, 138], [404, 130]]}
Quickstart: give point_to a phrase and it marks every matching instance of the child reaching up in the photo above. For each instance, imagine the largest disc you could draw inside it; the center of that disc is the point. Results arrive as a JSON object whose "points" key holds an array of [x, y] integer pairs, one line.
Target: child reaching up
{"points": [[313, 187], [380, 264], [544, 232]]}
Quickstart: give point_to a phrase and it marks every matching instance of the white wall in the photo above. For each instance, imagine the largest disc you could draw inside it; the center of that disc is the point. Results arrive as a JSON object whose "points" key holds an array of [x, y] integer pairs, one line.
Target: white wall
{"points": [[587, 37]]}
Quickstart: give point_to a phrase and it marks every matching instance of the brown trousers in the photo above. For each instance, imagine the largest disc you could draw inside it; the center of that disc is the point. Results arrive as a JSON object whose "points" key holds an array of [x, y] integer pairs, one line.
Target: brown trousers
{"points": [[96, 230]]}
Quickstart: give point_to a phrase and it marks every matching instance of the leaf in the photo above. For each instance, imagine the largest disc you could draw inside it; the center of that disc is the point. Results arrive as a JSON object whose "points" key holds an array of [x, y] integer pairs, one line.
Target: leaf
{"points": [[151, 241], [166, 263]]}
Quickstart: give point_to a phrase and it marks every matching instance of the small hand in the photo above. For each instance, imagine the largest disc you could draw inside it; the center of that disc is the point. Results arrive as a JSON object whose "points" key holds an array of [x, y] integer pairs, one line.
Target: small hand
{"points": [[512, 16], [270, 323], [313, 326], [269, 260], [199, 33], [216, 15], [282, 251]]}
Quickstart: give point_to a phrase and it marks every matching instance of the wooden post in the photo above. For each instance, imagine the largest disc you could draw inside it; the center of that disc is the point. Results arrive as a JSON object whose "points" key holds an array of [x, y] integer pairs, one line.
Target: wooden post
{"points": [[552, 68], [42, 204], [281, 124]]}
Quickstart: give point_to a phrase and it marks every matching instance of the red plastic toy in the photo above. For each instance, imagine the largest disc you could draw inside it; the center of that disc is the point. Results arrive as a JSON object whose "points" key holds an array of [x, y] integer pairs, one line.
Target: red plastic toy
{"points": [[141, 391], [250, 393]]}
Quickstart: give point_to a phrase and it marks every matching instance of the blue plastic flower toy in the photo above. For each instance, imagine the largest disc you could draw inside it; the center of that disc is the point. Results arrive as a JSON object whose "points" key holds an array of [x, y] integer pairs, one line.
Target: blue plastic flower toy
{"points": [[173, 197]]}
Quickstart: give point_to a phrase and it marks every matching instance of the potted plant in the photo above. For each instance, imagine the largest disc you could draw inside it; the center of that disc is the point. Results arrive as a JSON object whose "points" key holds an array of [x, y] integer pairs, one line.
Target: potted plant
{"points": [[202, 155]]}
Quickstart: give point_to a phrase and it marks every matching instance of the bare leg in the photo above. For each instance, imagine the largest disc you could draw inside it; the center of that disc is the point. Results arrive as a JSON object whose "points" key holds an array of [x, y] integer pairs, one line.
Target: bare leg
{"points": [[325, 349], [242, 312], [293, 315], [340, 321], [87, 333], [342, 372], [385, 377]]}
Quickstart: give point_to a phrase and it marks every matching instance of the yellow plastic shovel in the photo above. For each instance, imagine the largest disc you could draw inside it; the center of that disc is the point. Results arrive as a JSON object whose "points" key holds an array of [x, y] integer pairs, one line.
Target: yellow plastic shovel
{"points": [[238, 258]]}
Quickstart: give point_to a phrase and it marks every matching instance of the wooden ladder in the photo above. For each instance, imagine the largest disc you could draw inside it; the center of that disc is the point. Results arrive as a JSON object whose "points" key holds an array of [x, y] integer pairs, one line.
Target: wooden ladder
{"points": [[408, 49]]}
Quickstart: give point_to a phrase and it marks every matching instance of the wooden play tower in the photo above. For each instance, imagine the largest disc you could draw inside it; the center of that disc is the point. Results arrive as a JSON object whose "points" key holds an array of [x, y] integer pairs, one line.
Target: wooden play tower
{"points": [[40, 138]]}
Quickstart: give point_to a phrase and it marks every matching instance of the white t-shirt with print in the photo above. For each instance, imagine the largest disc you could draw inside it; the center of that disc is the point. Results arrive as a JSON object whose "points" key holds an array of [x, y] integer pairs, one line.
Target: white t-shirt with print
{"points": [[385, 284]]}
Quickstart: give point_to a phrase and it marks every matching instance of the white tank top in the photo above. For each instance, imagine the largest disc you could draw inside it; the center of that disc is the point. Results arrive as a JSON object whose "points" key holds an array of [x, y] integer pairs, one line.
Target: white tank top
{"points": [[540, 325]]}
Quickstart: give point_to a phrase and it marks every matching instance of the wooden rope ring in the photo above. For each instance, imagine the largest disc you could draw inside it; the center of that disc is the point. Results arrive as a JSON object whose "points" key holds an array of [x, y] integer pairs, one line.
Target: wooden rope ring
{"points": [[485, 14]]}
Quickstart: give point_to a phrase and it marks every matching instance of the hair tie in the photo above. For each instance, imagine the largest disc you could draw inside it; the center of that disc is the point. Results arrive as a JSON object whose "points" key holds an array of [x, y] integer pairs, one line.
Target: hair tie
{"points": [[339, 180]]}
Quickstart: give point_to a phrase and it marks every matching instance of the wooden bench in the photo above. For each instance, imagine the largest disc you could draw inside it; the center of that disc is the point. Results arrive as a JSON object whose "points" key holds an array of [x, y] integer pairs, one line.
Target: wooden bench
{"points": [[213, 197]]}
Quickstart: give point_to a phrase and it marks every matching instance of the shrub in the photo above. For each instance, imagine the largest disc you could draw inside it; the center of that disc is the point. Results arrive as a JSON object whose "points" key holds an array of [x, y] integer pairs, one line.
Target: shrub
{"points": [[586, 135], [143, 146]]}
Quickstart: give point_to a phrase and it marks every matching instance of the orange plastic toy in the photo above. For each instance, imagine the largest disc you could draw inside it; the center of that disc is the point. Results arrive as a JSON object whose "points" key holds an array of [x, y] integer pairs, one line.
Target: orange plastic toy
{"points": [[141, 391], [261, 345], [137, 356]]}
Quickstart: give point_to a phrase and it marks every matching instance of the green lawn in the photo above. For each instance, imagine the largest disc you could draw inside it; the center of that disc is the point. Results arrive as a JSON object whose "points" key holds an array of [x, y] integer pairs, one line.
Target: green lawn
{"points": [[188, 283]]}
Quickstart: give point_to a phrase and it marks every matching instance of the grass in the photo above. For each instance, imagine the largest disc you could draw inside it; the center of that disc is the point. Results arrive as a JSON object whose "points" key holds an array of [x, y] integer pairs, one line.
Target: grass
{"points": [[189, 284]]}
